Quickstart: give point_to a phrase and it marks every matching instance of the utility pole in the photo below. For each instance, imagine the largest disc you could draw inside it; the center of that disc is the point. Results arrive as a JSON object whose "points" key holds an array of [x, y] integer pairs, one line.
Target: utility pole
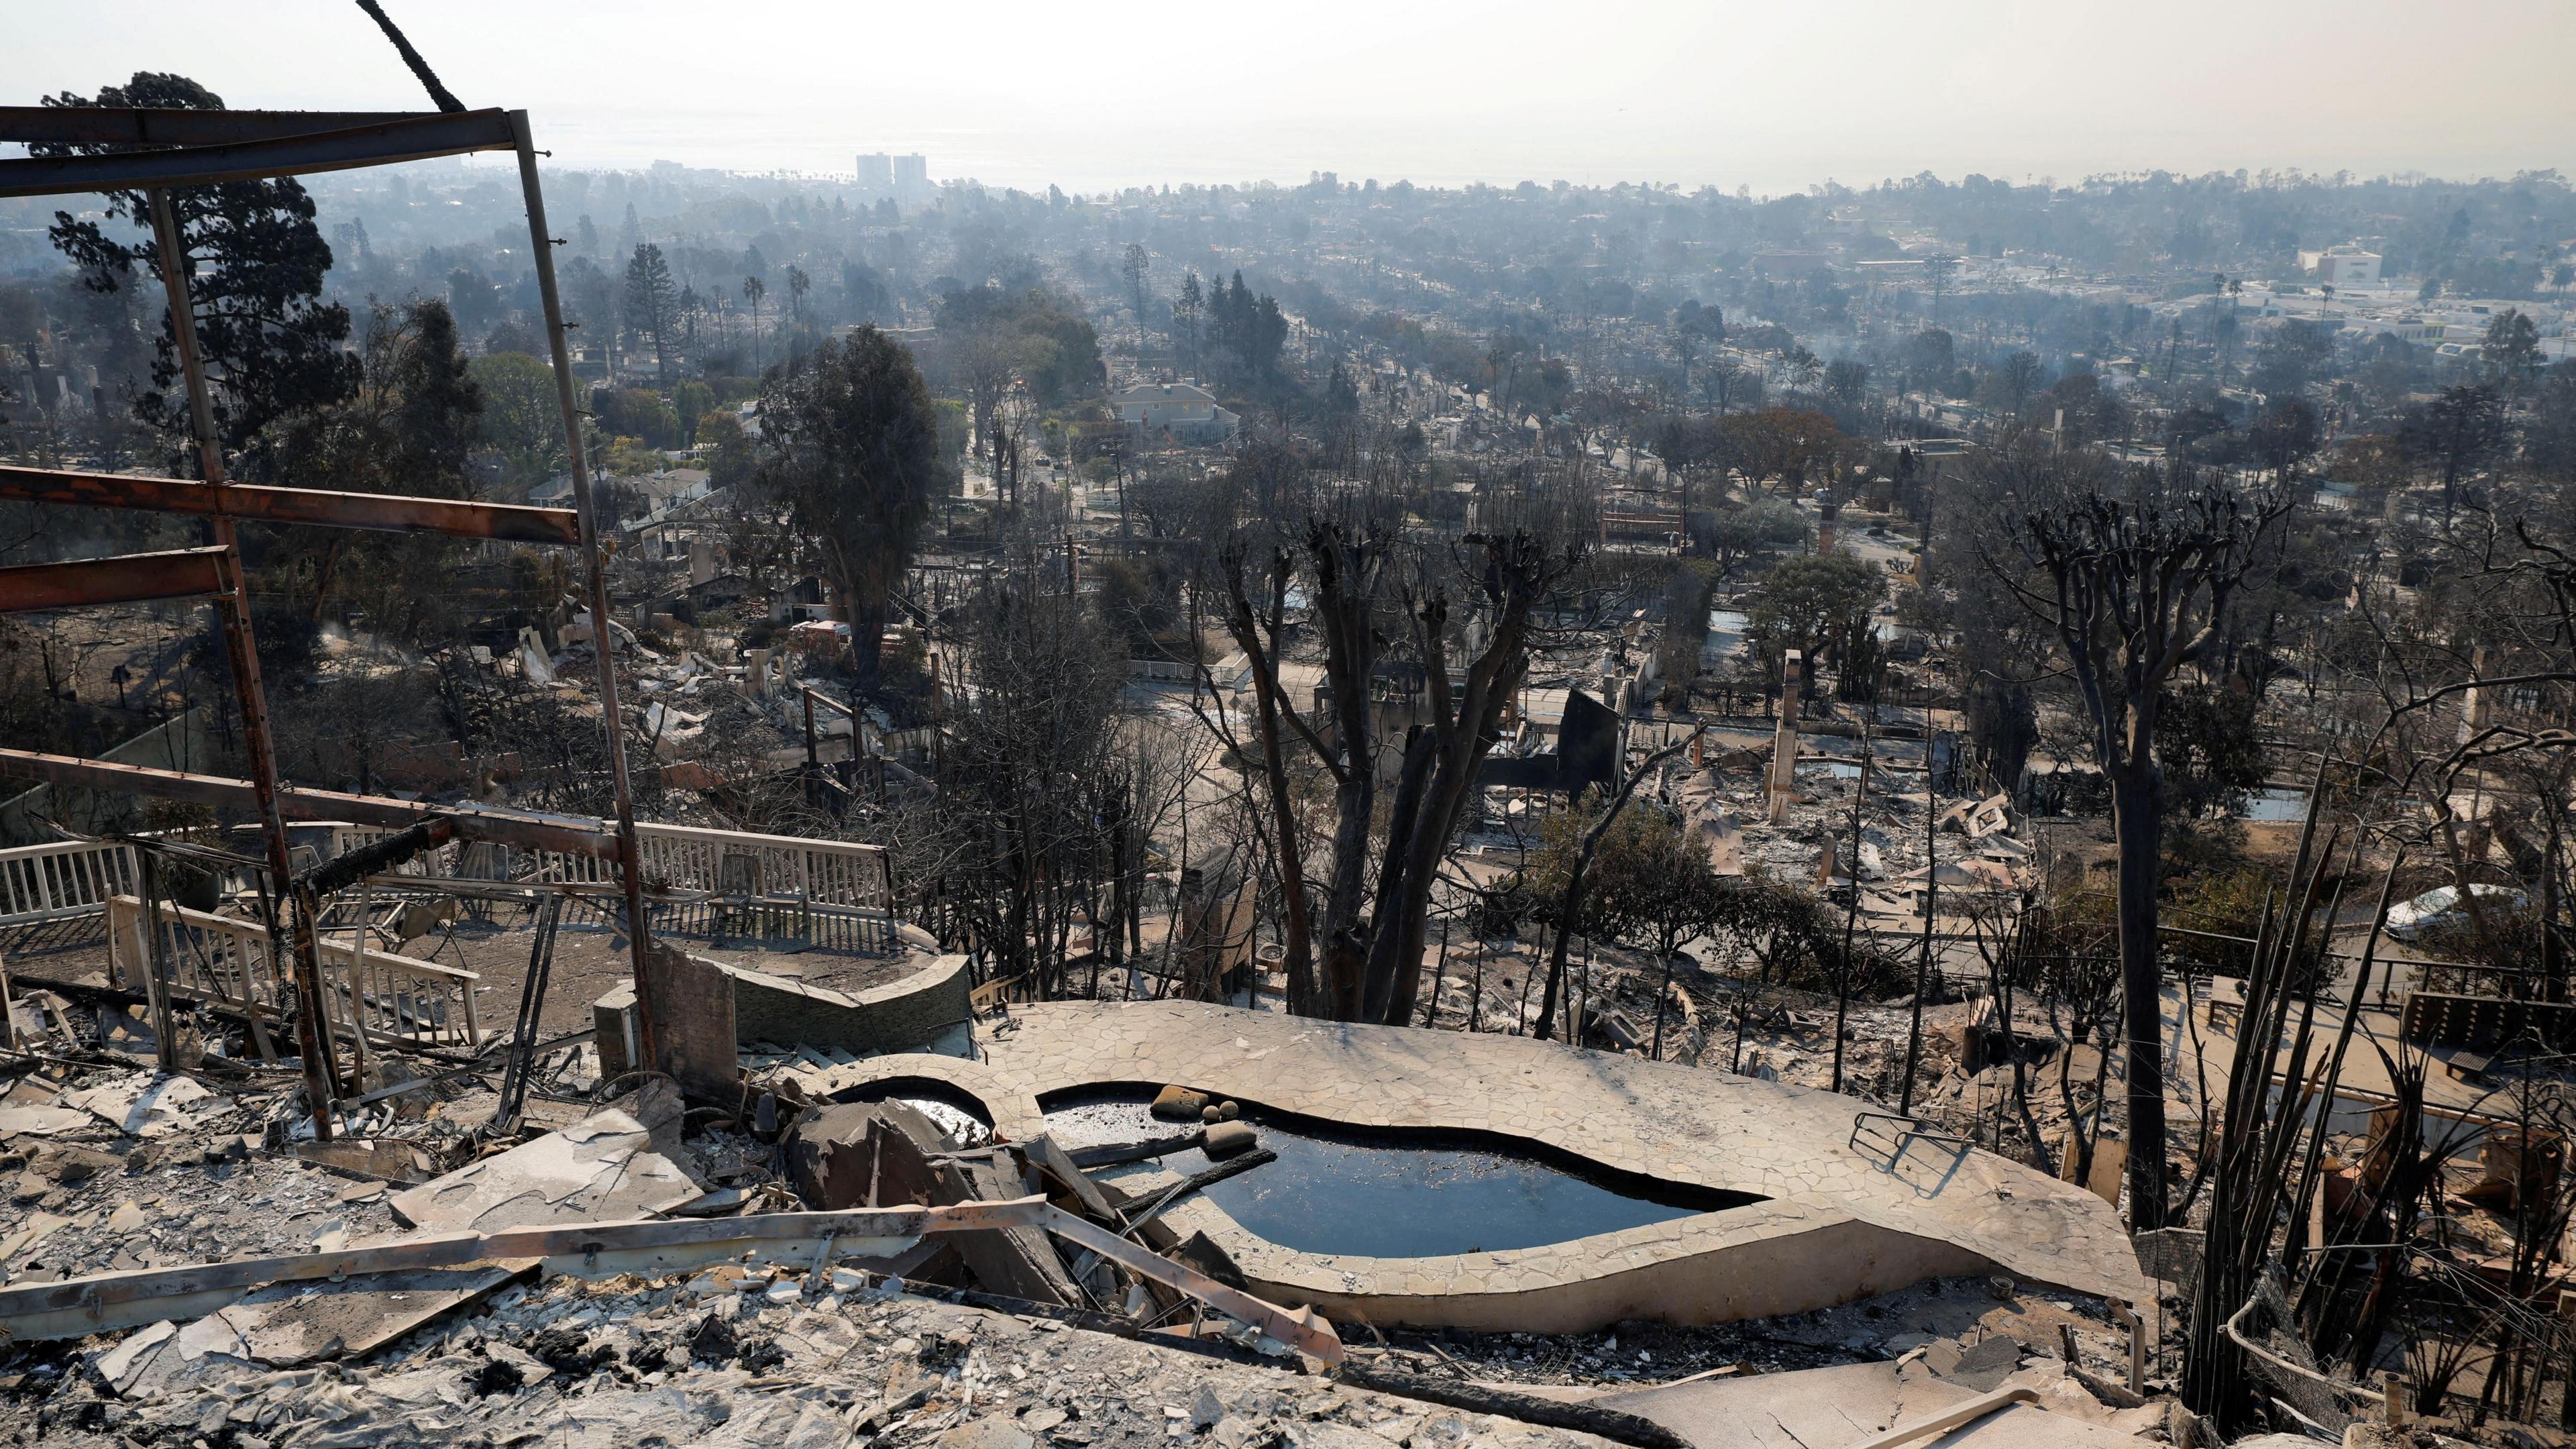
{"points": [[1931, 894], [1851, 914]]}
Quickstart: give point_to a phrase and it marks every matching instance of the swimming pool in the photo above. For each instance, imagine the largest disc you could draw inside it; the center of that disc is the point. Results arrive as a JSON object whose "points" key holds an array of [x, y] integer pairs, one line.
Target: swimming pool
{"points": [[1379, 1194]]}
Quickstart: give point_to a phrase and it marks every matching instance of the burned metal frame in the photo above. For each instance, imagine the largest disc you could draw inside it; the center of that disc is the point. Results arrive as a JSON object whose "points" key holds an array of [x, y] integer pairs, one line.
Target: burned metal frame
{"points": [[279, 152], [159, 149], [132, 578], [260, 503], [528, 830]]}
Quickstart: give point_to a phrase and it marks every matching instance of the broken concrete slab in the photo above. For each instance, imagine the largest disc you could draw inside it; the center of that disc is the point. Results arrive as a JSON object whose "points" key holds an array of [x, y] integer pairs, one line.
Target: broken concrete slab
{"points": [[293, 1323], [120, 1366], [602, 1170], [1979, 1367], [1839, 1405], [1017, 1262], [40, 1121], [379, 1160], [145, 1105], [863, 1154], [39, 1226], [70, 1163]]}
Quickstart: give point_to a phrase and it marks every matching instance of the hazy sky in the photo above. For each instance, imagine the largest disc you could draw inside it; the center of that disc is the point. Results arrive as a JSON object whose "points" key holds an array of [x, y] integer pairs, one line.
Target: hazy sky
{"points": [[1774, 96]]}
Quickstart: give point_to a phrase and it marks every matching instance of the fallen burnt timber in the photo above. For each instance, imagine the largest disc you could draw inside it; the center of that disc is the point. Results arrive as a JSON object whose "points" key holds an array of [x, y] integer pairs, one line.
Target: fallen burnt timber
{"points": [[77, 1307]]}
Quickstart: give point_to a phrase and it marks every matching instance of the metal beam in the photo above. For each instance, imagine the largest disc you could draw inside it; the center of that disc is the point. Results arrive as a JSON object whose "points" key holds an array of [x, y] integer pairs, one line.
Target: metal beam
{"points": [[412, 139], [281, 908], [567, 834], [630, 863], [173, 126], [104, 1302], [391, 513], [132, 578]]}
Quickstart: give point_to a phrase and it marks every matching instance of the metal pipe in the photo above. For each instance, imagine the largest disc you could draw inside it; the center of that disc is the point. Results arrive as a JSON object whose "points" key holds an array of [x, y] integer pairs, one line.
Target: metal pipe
{"points": [[233, 605], [629, 858]]}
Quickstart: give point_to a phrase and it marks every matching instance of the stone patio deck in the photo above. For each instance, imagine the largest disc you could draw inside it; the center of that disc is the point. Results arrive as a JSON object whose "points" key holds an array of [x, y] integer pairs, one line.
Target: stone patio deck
{"points": [[1841, 1222]]}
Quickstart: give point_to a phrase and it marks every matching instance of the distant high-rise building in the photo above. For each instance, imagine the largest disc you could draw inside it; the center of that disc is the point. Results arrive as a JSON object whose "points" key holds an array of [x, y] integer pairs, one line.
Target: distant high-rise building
{"points": [[901, 178]]}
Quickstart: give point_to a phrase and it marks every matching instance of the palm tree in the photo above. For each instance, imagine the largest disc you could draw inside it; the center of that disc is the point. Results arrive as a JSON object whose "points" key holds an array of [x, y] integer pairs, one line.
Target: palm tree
{"points": [[753, 289]]}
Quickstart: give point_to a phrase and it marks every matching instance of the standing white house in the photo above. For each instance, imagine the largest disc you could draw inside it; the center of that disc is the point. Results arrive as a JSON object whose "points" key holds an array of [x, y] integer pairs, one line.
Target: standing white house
{"points": [[1184, 410]]}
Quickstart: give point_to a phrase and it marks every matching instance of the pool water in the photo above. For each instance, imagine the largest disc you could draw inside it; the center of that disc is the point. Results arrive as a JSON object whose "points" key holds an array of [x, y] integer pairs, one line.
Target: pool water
{"points": [[1725, 632], [1386, 1195], [2274, 803]]}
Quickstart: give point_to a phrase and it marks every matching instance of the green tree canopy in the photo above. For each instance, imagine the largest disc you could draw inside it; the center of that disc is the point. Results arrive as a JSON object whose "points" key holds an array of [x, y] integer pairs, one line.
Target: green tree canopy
{"points": [[1806, 601], [522, 419], [850, 444], [255, 263]]}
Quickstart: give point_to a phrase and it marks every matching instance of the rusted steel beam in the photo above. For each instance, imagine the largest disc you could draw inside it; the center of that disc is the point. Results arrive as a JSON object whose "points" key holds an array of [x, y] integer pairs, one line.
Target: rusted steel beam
{"points": [[630, 860], [567, 834], [415, 138], [510, 522], [104, 1302], [313, 1039], [171, 126], [131, 578]]}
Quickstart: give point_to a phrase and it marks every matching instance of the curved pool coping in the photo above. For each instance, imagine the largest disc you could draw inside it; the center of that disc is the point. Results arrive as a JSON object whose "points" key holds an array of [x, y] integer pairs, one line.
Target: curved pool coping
{"points": [[1840, 1222]]}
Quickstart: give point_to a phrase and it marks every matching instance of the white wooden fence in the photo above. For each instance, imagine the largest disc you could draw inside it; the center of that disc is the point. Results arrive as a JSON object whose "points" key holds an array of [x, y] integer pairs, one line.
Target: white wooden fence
{"points": [[399, 1000], [675, 858], [68, 878]]}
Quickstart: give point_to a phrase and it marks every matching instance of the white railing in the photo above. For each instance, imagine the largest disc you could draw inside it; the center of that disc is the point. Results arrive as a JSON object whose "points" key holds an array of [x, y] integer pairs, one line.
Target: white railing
{"points": [[226, 960], [674, 858], [69, 878]]}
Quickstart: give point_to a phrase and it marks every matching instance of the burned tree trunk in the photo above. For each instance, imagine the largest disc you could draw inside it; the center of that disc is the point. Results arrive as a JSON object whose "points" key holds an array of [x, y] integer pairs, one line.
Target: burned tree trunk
{"points": [[2135, 589], [2137, 822]]}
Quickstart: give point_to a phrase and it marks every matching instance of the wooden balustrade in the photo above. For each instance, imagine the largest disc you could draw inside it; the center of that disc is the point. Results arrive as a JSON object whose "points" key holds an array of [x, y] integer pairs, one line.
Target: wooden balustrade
{"points": [[677, 858], [64, 879], [225, 960]]}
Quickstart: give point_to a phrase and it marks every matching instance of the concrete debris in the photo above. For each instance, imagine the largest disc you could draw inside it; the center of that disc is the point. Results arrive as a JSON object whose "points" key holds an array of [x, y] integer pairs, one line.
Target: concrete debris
{"points": [[300, 1322], [863, 1154], [37, 1119], [633, 1361], [602, 1170], [148, 1105]]}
